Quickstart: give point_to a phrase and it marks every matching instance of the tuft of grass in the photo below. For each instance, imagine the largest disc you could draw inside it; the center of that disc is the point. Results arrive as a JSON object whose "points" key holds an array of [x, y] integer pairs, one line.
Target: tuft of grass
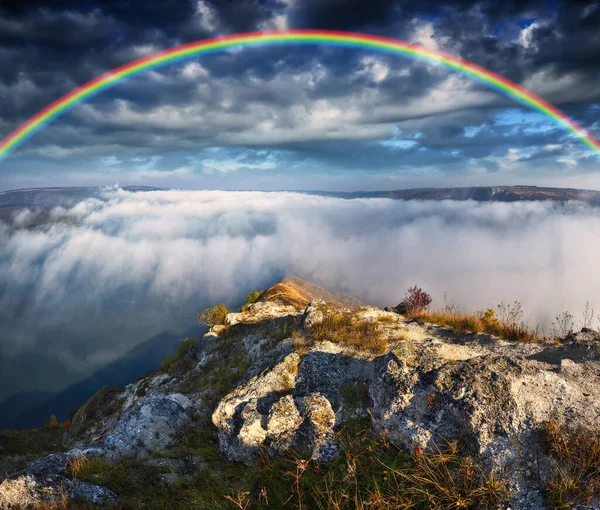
{"points": [[177, 358], [576, 476], [301, 343], [343, 328], [289, 378], [446, 479]]}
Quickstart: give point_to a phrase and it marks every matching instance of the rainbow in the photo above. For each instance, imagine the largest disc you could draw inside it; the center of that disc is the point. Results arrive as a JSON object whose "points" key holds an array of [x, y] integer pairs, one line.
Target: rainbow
{"points": [[316, 37]]}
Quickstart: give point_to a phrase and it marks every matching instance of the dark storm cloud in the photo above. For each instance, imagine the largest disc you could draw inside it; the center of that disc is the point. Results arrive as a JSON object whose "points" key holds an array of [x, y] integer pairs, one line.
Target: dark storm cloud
{"points": [[298, 99]]}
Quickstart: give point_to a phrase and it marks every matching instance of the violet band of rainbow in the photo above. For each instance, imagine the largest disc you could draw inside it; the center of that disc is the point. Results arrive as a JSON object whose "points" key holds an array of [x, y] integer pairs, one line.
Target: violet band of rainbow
{"points": [[316, 37]]}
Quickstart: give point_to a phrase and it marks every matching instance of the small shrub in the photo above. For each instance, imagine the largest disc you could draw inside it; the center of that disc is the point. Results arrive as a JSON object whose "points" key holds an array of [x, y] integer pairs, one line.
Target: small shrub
{"points": [[52, 423], [587, 321], [172, 360], [215, 316], [415, 301], [562, 325], [250, 299]]}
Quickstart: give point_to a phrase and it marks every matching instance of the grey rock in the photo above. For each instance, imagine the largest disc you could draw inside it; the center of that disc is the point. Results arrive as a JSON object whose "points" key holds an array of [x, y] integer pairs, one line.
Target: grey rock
{"points": [[283, 422], [149, 424], [44, 490], [317, 430], [313, 314]]}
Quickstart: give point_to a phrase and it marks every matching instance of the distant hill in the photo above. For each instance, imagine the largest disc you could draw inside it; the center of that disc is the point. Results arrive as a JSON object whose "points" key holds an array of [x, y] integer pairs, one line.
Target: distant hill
{"points": [[43, 199], [32, 409], [478, 193]]}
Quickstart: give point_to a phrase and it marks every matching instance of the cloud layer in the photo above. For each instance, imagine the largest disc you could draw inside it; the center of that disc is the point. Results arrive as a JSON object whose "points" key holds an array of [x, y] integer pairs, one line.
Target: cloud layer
{"points": [[107, 274]]}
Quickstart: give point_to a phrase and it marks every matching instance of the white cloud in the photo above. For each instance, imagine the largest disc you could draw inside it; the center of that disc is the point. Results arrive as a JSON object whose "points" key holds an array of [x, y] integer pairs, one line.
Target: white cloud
{"points": [[193, 71], [374, 68], [526, 36], [206, 15], [111, 273], [210, 166], [137, 264], [277, 22]]}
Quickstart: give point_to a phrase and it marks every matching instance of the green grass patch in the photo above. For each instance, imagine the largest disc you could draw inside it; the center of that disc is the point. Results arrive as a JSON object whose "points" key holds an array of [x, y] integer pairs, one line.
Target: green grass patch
{"points": [[35, 441], [252, 298], [175, 359]]}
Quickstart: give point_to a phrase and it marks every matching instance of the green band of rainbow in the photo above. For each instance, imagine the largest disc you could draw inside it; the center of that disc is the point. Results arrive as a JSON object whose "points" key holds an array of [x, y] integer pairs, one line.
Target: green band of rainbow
{"points": [[355, 40]]}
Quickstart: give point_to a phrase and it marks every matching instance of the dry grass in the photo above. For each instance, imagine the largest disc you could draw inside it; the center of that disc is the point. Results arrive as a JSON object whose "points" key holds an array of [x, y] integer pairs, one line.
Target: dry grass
{"points": [[370, 473], [76, 465], [445, 479], [460, 322], [387, 319], [343, 328], [286, 294], [576, 476]]}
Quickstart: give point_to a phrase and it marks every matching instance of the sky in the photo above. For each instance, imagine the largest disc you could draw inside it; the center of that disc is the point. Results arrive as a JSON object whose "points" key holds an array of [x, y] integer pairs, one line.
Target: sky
{"points": [[300, 117], [109, 273]]}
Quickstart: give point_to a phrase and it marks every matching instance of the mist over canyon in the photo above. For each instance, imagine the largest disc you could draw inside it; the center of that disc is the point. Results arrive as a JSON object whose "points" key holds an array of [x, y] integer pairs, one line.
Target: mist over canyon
{"points": [[93, 280]]}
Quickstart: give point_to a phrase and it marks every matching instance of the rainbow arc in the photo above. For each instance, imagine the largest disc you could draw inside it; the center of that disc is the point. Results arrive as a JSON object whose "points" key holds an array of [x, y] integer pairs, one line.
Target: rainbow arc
{"points": [[315, 37]]}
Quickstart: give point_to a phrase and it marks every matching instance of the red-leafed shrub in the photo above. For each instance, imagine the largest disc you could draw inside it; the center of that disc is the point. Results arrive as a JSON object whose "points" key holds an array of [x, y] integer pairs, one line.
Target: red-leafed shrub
{"points": [[416, 300]]}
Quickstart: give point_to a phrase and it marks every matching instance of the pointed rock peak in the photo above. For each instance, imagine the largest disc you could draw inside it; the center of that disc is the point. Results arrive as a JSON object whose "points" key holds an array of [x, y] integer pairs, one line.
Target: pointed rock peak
{"points": [[299, 293]]}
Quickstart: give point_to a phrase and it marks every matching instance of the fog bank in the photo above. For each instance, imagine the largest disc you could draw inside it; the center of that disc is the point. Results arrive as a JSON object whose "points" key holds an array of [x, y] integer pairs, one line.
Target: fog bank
{"points": [[108, 274]]}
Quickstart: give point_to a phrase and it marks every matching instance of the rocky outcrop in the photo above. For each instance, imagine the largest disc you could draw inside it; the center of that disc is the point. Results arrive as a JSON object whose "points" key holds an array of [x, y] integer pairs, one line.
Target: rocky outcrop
{"points": [[149, 424], [141, 419], [44, 483], [269, 384]]}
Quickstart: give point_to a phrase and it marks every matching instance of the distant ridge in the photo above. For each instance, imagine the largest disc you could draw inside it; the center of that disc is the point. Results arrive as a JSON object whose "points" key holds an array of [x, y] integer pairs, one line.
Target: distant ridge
{"points": [[478, 193], [42, 200]]}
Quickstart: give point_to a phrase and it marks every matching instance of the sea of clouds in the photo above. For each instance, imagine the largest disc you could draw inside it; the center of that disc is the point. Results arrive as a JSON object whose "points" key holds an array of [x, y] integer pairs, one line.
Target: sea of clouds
{"points": [[110, 273]]}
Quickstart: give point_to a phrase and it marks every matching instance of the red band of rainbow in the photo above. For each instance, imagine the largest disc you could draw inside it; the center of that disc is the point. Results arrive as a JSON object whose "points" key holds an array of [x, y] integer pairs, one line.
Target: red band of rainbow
{"points": [[356, 40]]}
